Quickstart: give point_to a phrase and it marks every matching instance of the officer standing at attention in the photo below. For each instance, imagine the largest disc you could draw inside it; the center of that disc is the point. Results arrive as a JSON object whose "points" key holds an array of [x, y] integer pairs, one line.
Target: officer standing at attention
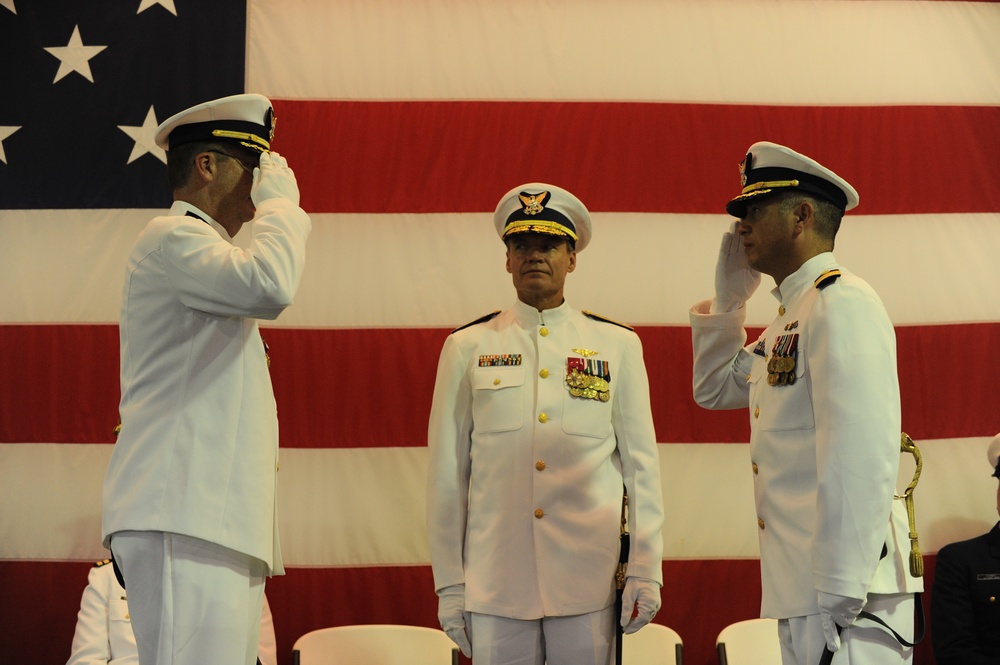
{"points": [[823, 394], [540, 415], [189, 495], [965, 603]]}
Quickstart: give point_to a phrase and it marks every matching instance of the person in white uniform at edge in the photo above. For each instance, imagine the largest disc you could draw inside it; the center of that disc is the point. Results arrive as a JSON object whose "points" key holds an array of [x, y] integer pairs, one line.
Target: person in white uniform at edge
{"points": [[103, 634], [540, 415], [189, 496], [823, 398]]}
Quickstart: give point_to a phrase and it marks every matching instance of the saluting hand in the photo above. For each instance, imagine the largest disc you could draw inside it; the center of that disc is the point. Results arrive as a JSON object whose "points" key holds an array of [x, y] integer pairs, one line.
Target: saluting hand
{"points": [[273, 179], [735, 280]]}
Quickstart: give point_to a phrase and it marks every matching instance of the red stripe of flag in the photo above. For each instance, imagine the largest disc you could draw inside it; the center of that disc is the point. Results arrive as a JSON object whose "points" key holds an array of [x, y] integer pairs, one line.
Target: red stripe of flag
{"points": [[372, 387], [636, 157]]}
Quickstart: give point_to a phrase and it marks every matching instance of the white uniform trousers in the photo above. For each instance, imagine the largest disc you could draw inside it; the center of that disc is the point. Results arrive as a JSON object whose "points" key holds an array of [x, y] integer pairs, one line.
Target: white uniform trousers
{"points": [[863, 643], [583, 639], [191, 602]]}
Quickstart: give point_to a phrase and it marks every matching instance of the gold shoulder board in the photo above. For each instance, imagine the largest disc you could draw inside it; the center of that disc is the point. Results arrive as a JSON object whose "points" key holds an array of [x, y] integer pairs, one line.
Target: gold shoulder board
{"points": [[827, 278]]}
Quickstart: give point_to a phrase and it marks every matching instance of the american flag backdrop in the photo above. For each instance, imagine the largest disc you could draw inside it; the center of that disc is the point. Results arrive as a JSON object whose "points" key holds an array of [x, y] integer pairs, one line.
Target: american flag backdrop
{"points": [[405, 121]]}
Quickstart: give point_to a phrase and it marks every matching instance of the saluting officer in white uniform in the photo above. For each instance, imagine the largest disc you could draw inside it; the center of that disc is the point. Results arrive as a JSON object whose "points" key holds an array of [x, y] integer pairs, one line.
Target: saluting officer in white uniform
{"points": [[189, 495], [823, 394], [540, 415]]}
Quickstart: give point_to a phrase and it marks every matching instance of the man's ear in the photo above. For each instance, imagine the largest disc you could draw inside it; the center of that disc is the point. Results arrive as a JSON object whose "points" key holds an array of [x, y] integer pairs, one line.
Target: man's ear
{"points": [[803, 216], [205, 166], [805, 211]]}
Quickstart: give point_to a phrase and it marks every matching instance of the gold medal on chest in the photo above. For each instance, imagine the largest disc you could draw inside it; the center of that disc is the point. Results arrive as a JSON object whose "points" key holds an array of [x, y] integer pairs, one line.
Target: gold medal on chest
{"points": [[587, 378]]}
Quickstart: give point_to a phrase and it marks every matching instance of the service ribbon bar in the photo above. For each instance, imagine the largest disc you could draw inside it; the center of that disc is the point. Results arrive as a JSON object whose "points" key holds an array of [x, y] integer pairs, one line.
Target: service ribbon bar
{"points": [[500, 360]]}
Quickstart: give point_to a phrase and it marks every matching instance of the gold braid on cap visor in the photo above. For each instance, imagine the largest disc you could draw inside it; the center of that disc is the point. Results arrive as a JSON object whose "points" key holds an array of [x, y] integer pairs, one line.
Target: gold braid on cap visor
{"points": [[256, 142], [772, 184], [539, 226]]}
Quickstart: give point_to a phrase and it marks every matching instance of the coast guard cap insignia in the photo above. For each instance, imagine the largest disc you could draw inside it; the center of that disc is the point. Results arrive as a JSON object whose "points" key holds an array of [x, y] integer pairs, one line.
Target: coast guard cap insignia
{"points": [[270, 121], [533, 203], [747, 161]]}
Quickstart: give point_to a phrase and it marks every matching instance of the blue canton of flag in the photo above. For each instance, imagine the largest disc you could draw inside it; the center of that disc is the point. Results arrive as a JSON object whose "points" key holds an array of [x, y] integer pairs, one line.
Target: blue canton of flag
{"points": [[86, 84]]}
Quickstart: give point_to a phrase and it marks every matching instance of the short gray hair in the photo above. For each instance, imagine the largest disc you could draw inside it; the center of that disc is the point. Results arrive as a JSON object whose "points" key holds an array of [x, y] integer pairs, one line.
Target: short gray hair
{"points": [[827, 215]]}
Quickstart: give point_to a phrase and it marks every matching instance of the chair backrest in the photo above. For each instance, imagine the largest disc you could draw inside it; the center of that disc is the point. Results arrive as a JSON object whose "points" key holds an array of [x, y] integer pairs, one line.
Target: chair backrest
{"points": [[750, 642], [375, 644], [654, 644]]}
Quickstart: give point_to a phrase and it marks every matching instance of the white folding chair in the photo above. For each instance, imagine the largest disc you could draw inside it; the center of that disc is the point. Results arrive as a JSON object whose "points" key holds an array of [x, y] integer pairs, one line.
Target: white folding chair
{"points": [[653, 644], [750, 642], [375, 644]]}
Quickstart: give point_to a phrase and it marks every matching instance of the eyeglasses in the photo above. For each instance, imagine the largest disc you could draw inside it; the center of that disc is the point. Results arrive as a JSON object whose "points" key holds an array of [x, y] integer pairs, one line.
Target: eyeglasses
{"points": [[248, 169]]}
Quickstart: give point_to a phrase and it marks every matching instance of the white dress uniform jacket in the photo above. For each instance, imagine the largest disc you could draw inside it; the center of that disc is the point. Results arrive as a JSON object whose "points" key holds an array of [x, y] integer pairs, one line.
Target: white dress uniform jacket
{"points": [[103, 629], [825, 448], [525, 480], [198, 449]]}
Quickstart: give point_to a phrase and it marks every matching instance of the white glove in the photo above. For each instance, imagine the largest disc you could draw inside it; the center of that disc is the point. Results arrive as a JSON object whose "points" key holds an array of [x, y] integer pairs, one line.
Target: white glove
{"points": [[640, 602], [451, 614], [735, 280], [837, 611], [273, 180]]}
